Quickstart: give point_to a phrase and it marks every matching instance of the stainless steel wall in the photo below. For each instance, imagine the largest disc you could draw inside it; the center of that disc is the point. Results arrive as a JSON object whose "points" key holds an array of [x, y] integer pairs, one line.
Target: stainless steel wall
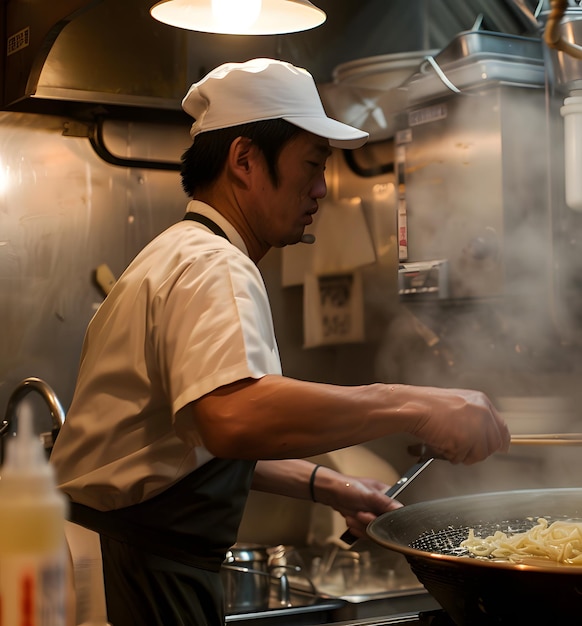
{"points": [[63, 212]]}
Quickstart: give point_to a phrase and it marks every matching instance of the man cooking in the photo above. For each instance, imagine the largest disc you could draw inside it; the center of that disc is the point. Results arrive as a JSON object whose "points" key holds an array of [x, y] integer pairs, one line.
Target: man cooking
{"points": [[180, 405]]}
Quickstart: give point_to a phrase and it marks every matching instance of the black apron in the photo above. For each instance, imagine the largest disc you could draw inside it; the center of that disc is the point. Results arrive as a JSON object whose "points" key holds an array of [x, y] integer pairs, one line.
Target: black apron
{"points": [[162, 557]]}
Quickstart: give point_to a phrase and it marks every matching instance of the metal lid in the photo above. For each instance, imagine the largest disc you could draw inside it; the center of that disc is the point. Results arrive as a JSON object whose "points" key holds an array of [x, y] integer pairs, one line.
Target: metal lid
{"points": [[247, 553], [478, 44], [384, 71]]}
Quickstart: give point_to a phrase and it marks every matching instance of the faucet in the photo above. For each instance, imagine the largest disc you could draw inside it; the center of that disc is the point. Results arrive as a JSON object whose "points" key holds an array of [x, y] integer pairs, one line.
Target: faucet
{"points": [[23, 389]]}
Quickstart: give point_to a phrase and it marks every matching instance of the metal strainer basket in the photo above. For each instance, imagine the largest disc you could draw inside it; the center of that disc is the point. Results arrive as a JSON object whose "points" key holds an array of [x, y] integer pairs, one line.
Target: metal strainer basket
{"points": [[447, 541]]}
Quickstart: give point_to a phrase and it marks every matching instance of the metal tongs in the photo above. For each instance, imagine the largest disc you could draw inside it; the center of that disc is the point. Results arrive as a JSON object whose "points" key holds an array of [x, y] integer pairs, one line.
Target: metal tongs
{"points": [[423, 462]]}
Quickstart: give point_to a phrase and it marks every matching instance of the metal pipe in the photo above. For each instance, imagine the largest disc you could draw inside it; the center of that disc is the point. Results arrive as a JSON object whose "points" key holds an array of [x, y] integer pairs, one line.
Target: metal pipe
{"points": [[553, 33], [97, 141]]}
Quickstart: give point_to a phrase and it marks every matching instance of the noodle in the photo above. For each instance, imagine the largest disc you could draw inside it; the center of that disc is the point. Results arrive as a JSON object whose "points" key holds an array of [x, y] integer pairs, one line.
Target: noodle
{"points": [[559, 541]]}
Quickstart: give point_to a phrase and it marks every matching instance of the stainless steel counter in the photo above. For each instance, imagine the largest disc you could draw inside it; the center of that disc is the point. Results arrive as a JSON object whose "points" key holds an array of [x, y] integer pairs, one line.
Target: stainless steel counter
{"points": [[310, 611]]}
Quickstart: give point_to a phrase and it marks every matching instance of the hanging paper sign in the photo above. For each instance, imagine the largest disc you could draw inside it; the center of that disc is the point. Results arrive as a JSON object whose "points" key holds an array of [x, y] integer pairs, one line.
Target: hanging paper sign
{"points": [[333, 309]]}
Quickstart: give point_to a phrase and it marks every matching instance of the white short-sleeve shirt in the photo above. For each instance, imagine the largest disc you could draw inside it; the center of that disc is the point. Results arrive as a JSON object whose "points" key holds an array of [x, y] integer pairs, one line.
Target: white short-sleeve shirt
{"points": [[190, 314]]}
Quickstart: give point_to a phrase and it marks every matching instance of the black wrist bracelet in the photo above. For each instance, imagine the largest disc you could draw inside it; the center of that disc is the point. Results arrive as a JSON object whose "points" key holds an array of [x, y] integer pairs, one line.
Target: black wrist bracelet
{"points": [[312, 483]]}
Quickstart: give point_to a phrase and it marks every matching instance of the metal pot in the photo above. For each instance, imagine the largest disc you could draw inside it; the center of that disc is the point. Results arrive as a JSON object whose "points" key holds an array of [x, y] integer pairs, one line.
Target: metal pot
{"points": [[245, 577], [477, 592], [247, 573]]}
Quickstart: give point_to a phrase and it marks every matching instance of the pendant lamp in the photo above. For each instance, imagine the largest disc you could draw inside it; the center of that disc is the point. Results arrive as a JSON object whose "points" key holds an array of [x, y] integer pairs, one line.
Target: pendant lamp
{"points": [[240, 17]]}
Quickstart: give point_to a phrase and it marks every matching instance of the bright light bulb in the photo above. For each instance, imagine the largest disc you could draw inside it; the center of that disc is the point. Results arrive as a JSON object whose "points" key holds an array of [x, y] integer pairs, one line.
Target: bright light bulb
{"points": [[239, 17], [236, 14]]}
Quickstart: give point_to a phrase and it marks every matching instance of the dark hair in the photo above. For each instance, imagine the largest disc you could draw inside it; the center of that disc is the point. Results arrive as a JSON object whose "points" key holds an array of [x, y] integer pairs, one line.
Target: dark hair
{"points": [[203, 161]]}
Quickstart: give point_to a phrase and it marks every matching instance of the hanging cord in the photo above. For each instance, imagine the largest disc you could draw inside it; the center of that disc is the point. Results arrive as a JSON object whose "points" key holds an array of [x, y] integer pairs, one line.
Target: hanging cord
{"points": [[436, 67]]}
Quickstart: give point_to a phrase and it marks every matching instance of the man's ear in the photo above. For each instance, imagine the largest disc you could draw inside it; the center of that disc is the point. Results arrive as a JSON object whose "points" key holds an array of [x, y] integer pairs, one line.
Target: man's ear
{"points": [[241, 158]]}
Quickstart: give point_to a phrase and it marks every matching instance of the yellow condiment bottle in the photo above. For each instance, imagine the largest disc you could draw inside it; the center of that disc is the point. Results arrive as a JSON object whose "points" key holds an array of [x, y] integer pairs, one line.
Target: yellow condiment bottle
{"points": [[32, 541]]}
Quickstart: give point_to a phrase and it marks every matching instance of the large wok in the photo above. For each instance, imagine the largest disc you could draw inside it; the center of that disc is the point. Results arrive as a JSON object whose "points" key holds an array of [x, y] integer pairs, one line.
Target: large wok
{"points": [[477, 592]]}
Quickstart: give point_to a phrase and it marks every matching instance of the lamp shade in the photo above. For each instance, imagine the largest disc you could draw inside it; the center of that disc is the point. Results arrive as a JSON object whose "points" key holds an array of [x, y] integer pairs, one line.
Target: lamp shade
{"points": [[246, 17]]}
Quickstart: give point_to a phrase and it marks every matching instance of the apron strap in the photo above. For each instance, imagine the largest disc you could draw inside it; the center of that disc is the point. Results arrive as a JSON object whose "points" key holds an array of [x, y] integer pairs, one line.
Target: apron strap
{"points": [[206, 221]]}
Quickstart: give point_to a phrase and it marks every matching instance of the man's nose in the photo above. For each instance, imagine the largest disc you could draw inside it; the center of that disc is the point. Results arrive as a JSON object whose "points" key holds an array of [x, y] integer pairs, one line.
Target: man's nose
{"points": [[319, 189]]}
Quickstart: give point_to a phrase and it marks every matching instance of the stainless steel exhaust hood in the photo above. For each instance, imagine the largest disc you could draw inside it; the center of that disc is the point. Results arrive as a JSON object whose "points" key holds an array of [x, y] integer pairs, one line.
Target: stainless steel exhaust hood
{"points": [[63, 56], [71, 55], [107, 52]]}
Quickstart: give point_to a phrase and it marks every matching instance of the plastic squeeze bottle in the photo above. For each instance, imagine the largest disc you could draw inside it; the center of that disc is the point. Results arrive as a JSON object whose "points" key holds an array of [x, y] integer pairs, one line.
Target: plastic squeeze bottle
{"points": [[32, 541]]}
